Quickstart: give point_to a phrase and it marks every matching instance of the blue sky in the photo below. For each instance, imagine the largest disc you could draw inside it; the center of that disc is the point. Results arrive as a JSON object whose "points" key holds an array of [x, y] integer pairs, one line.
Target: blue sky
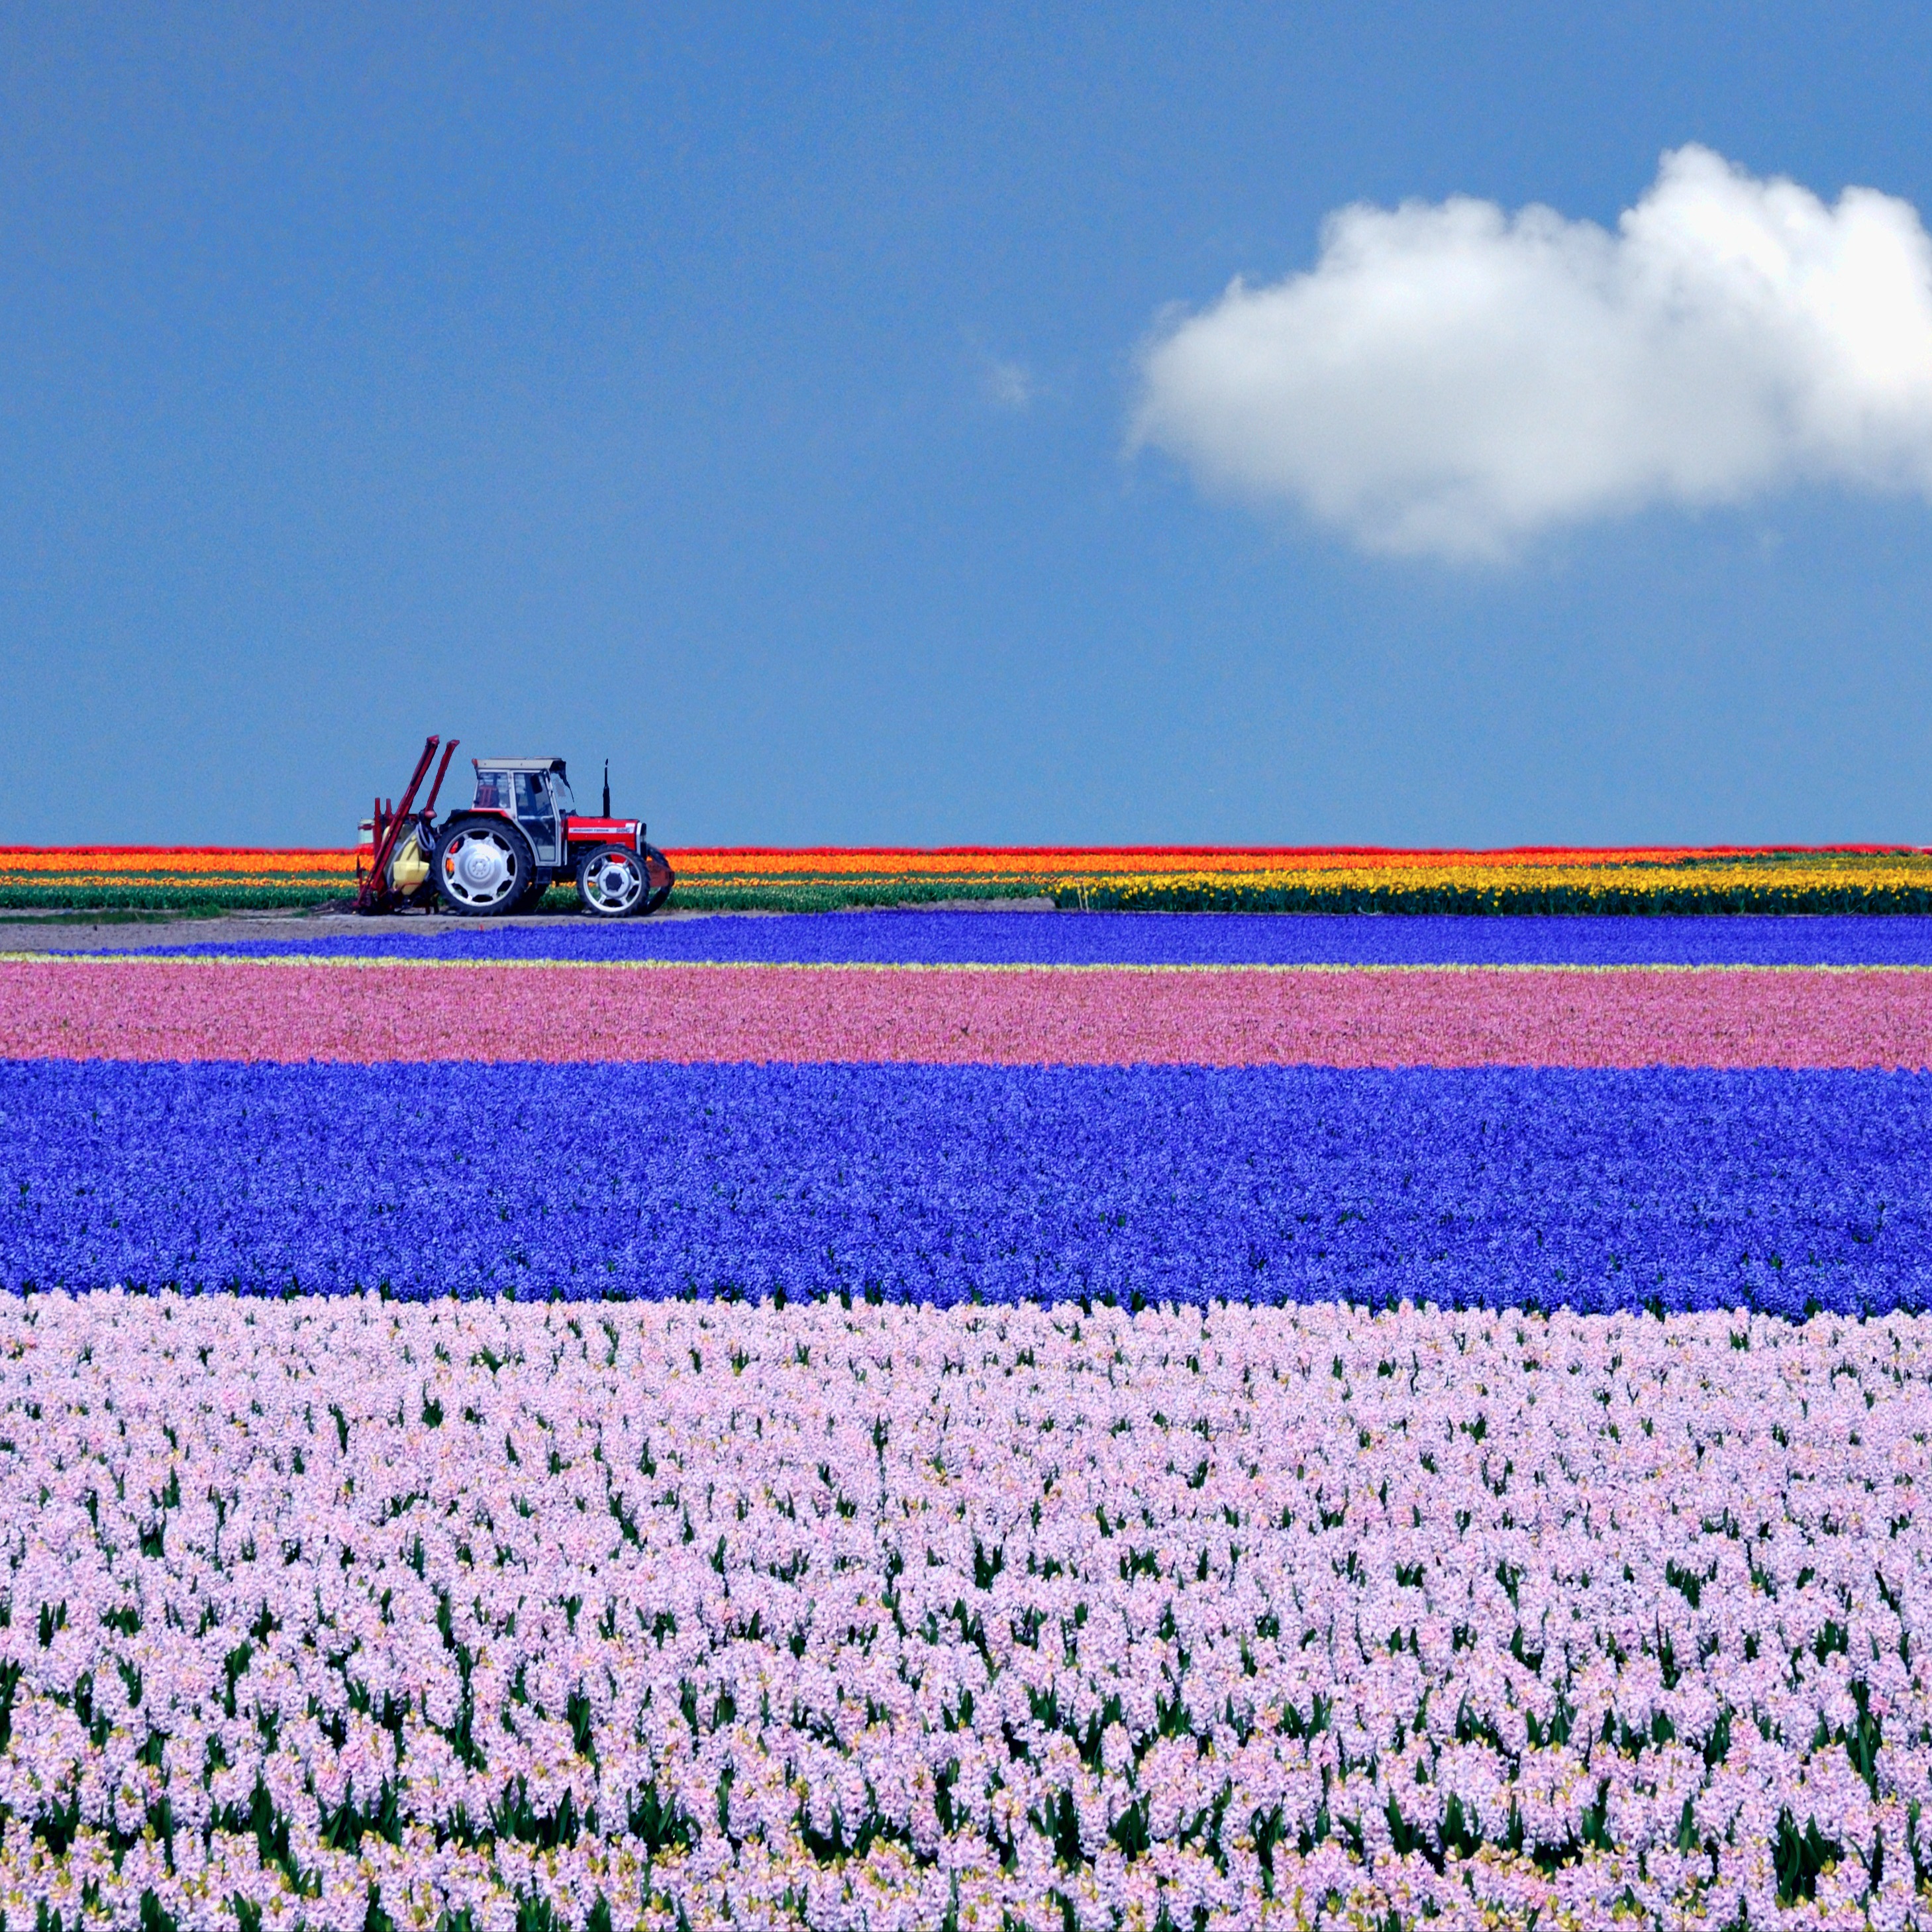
{"points": [[749, 395]]}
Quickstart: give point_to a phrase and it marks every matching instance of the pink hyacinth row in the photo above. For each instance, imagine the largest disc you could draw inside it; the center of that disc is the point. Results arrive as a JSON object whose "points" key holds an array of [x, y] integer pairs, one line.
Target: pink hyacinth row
{"points": [[887, 1617], [1634, 1017]]}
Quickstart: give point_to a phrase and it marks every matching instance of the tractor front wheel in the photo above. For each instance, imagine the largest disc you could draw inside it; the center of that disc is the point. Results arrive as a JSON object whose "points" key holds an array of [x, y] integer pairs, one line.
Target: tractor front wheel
{"points": [[659, 876], [484, 867], [610, 881]]}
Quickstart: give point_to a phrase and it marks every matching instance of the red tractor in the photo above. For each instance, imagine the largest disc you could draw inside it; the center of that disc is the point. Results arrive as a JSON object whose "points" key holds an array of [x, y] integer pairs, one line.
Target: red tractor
{"points": [[502, 851]]}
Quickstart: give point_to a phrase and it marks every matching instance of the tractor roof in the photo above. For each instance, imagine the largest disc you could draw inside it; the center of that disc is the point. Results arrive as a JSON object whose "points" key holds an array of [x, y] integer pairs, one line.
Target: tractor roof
{"points": [[518, 764]]}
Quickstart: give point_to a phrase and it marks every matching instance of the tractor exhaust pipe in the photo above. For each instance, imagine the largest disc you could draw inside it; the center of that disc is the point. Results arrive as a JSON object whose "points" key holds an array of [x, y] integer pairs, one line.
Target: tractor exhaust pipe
{"points": [[606, 787]]}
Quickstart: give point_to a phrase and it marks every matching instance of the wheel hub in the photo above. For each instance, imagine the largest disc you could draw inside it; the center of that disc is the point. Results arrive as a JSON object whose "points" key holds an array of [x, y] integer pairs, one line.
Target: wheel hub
{"points": [[612, 882], [481, 868]]}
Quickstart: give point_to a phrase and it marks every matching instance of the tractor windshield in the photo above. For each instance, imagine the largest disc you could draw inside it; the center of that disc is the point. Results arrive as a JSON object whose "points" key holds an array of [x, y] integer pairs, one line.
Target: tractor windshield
{"points": [[559, 790]]}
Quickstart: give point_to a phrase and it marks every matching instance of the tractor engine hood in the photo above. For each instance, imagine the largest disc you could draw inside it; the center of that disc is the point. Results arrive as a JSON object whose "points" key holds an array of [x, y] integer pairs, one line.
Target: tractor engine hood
{"points": [[612, 831]]}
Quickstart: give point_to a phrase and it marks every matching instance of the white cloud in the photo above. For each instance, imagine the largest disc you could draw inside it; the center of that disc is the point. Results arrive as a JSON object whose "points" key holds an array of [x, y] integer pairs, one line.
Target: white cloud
{"points": [[1007, 385], [1449, 380]]}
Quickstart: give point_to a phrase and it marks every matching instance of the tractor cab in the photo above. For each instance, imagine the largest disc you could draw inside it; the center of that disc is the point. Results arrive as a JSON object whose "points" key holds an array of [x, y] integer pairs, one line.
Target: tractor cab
{"points": [[534, 792]]}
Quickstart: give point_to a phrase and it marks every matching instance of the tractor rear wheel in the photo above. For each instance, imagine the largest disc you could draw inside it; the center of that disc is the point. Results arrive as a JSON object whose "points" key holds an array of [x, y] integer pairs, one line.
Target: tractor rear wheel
{"points": [[484, 867], [610, 881]]}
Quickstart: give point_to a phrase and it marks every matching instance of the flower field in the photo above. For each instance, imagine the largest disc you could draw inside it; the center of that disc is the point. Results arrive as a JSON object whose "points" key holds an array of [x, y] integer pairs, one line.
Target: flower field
{"points": [[1552, 880], [162, 878], [332, 1612], [947, 1185], [1542, 880], [261, 1010], [989, 1422], [955, 937]]}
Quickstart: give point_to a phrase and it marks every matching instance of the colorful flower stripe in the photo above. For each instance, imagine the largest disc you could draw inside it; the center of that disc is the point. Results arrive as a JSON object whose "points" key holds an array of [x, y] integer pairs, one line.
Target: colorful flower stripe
{"points": [[670, 1618], [1888, 885], [247, 1010], [174, 861], [1545, 880], [1050, 863], [160, 877], [960, 938], [1601, 1190], [1554, 879]]}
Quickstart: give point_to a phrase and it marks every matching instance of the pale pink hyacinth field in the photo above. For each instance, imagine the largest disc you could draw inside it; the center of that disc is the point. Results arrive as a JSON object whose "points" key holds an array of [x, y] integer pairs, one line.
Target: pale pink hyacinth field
{"points": [[261, 1010], [697, 1615]]}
